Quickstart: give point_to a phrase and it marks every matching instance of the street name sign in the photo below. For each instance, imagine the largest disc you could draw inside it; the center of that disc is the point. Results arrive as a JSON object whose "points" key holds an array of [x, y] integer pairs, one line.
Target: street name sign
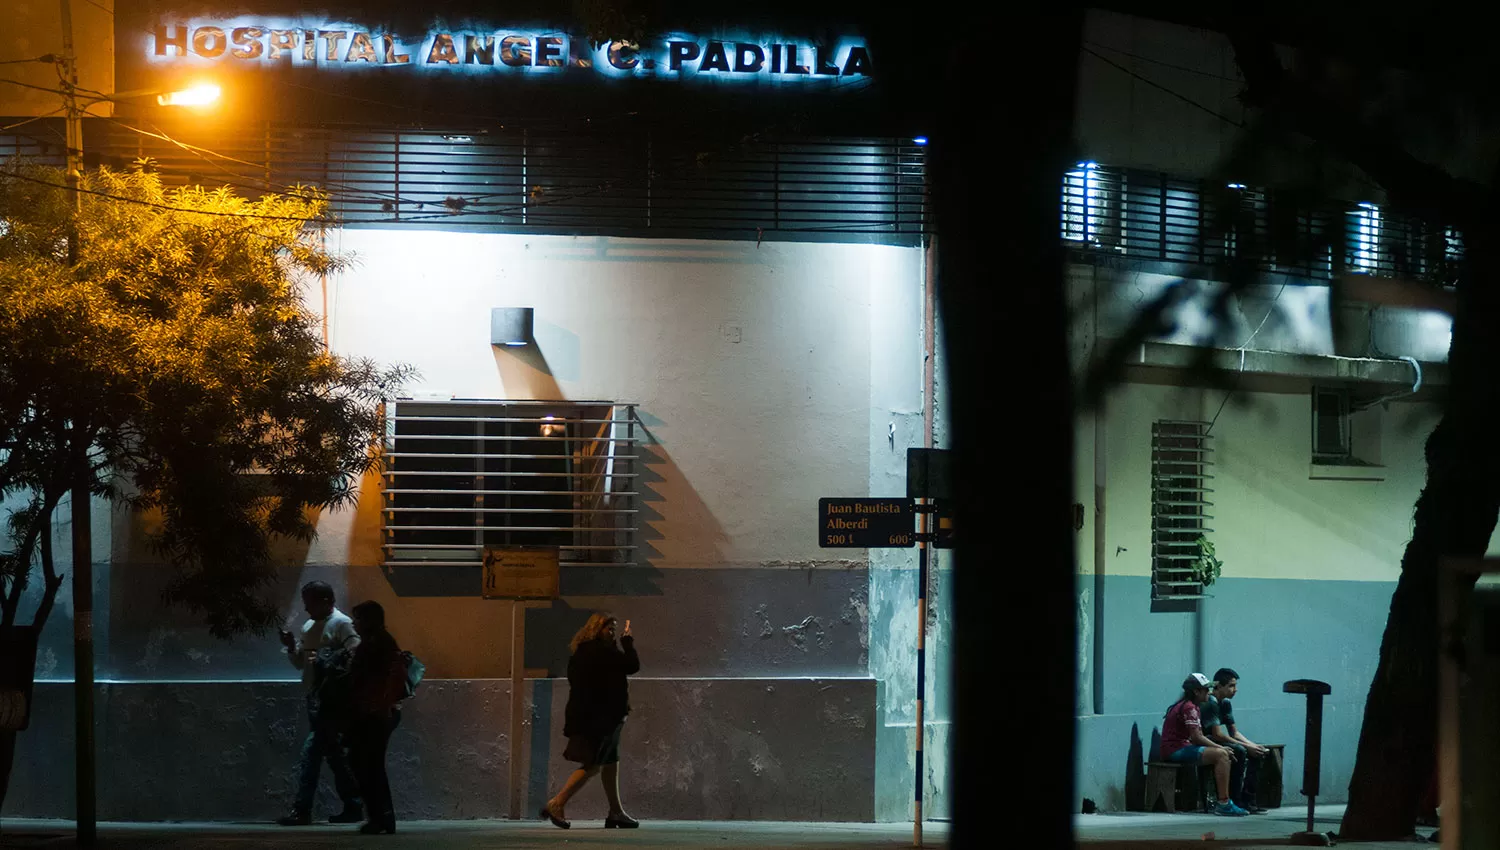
{"points": [[866, 524]]}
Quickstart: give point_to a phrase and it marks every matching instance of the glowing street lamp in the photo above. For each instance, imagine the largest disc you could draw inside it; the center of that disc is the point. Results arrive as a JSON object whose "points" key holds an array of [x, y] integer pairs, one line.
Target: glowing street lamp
{"points": [[203, 94]]}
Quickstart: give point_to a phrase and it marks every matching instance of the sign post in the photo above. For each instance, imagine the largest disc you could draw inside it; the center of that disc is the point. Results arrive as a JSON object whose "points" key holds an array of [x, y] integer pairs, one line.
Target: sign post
{"points": [[519, 573], [928, 482], [887, 524]]}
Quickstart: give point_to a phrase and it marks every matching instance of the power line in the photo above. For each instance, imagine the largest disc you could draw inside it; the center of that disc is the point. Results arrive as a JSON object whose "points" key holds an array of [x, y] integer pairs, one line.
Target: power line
{"points": [[36, 118], [46, 58], [1246, 344], [1154, 84], [255, 183], [1183, 68], [30, 86], [167, 207]]}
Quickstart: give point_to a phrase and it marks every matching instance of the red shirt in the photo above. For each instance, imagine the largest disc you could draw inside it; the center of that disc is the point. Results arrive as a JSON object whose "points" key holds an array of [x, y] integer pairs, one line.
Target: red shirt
{"points": [[1182, 720]]}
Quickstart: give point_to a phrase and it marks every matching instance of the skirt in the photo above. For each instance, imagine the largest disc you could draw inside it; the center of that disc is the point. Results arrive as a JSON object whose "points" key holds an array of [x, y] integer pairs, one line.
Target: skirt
{"points": [[591, 750]]}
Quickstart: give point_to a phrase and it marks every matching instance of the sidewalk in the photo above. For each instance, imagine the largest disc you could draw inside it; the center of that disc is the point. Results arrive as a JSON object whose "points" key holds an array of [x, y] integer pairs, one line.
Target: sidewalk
{"points": [[18, 834], [1130, 830], [1118, 831]]}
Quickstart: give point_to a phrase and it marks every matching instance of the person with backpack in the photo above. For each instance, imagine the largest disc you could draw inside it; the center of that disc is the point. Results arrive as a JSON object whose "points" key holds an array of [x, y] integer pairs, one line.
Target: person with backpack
{"points": [[377, 680]]}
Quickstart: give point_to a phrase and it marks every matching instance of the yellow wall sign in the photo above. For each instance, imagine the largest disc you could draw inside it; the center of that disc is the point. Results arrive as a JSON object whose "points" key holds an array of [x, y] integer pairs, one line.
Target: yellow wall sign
{"points": [[520, 572]]}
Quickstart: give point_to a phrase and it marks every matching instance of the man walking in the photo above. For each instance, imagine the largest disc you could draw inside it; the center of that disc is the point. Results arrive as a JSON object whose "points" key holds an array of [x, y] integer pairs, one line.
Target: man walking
{"points": [[326, 626], [1219, 726]]}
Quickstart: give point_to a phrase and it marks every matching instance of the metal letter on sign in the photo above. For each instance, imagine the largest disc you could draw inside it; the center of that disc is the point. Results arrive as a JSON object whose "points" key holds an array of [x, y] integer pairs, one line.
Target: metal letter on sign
{"points": [[520, 572]]}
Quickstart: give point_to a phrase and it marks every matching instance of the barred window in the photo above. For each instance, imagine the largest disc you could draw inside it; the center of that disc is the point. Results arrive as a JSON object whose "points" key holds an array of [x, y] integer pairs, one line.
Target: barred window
{"points": [[464, 476], [1179, 510]]}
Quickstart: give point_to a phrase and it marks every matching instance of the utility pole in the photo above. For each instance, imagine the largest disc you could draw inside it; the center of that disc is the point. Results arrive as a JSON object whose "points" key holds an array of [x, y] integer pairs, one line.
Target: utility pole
{"points": [[83, 555]]}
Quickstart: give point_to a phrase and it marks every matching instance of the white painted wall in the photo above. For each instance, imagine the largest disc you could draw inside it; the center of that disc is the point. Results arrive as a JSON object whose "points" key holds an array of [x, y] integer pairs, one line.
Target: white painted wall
{"points": [[1271, 520], [756, 367]]}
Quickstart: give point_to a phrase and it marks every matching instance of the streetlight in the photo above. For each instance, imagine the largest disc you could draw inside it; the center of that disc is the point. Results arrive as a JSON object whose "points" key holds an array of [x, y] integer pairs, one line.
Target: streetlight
{"points": [[199, 95]]}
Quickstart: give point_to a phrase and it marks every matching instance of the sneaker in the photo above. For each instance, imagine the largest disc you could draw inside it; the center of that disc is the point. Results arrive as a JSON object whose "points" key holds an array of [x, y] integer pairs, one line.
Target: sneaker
{"points": [[1229, 810], [295, 818]]}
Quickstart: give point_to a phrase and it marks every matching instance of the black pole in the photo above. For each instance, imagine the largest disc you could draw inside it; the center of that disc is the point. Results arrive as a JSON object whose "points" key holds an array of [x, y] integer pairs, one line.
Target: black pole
{"points": [[1312, 763], [83, 661], [1312, 755], [925, 525]]}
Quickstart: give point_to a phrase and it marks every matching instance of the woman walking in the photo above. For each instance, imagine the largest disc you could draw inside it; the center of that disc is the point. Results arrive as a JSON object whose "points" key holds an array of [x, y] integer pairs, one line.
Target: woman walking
{"points": [[377, 679], [598, 700]]}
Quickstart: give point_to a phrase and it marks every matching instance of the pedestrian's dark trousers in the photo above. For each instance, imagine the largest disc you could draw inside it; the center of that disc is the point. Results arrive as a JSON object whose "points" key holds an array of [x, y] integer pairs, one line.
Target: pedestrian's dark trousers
{"points": [[368, 736], [1244, 773], [323, 744]]}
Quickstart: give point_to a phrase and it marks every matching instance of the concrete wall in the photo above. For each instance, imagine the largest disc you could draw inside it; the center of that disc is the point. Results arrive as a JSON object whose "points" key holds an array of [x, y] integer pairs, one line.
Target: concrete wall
{"points": [[1295, 318], [692, 750], [29, 30], [767, 376], [1309, 567]]}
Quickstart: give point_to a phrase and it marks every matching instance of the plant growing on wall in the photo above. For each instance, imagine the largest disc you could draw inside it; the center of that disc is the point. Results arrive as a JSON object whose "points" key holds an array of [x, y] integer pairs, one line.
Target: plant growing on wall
{"points": [[1206, 566], [168, 363]]}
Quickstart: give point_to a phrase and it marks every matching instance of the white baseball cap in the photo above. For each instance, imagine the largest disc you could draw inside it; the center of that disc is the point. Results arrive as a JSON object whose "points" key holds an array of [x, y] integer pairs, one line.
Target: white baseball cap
{"points": [[1201, 679]]}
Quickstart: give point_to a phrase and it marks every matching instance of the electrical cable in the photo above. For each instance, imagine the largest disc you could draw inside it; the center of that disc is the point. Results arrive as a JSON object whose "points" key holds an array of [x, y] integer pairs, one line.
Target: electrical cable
{"points": [[34, 118], [1154, 84], [1246, 344]]}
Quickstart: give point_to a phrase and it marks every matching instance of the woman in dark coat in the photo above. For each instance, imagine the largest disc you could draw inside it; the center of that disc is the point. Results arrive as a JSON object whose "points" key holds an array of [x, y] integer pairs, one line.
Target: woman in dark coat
{"points": [[598, 700], [377, 676]]}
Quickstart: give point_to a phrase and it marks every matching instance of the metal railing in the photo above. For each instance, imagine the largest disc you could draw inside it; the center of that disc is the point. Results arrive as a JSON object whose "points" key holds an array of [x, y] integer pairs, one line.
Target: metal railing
{"points": [[1154, 217], [630, 180], [1179, 507], [463, 476]]}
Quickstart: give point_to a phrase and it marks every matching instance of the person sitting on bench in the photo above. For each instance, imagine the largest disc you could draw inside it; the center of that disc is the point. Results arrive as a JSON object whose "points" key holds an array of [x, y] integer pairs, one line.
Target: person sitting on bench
{"points": [[1183, 741], [1218, 725]]}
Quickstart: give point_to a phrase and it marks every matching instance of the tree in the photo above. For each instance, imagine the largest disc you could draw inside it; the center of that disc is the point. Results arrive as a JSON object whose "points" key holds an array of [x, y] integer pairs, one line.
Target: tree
{"points": [[1344, 102], [173, 367], [1455, 513]]}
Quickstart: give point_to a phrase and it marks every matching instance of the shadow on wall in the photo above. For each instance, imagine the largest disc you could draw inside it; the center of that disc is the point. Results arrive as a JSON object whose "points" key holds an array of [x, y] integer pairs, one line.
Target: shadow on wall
{"points": [[148, 638], [1135, 773], [591, 588]]}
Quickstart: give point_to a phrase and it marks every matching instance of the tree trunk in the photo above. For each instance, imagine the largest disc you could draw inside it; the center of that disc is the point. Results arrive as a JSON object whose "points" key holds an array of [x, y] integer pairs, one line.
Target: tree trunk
{"points": [[1005, 340], [7, 759], [17, 673], [1455, 516]]}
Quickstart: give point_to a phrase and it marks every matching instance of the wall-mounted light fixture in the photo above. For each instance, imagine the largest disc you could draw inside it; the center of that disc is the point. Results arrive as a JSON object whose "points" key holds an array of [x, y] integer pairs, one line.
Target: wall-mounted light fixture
{"points": [[511, 326]]}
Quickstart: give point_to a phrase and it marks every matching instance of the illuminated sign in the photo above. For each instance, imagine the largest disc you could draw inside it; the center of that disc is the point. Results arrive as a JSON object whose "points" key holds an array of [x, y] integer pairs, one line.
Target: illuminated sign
{"points": [[251, 42]]}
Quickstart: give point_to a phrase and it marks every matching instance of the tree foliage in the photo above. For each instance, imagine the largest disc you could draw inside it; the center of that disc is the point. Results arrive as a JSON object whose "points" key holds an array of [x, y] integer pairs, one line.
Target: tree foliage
{"points": [[170, 363]]}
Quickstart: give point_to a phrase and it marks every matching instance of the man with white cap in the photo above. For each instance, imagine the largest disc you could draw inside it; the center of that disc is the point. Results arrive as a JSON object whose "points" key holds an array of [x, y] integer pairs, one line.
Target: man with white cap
{"points": [[1183, 741]]}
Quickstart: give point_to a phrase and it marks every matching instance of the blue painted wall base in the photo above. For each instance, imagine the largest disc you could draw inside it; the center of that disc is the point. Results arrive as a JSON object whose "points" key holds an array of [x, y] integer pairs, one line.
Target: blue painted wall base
{"points": [[1269, 631]]}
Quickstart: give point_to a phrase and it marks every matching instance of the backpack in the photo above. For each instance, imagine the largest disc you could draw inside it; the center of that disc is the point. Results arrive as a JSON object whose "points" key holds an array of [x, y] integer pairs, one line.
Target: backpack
{"points": [[412, 672]]}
